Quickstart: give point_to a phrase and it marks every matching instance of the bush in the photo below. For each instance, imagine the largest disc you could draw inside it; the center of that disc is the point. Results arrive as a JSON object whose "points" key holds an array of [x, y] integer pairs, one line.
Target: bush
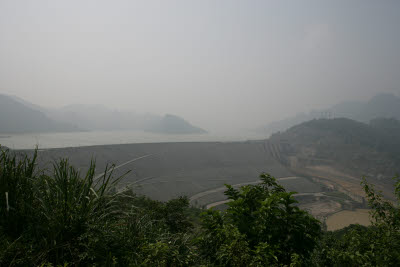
{"points": [[70, 218], [262, 225], [356, 245]]}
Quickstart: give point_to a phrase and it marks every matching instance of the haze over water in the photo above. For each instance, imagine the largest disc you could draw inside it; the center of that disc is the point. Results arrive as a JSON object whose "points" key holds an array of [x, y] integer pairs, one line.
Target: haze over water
{"points": [[75, 139], [218, 64]]}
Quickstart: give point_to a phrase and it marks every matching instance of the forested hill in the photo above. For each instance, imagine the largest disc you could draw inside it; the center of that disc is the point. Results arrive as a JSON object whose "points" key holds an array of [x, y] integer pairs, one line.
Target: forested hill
{"points": [[357, 147], [379, 106], [171, 124], [16, 117], [20, 116]]}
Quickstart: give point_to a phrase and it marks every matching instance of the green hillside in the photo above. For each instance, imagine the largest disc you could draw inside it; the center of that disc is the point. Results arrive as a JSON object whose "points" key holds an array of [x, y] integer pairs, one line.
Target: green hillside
{"points": [[379, 106], [342, 150]]}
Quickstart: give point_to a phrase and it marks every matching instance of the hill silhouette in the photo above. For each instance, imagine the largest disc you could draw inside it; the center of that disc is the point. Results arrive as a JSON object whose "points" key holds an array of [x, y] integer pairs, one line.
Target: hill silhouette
{"points": [[20, 116], [380, 106], [361, 149], [172, 124], [16, 117]]}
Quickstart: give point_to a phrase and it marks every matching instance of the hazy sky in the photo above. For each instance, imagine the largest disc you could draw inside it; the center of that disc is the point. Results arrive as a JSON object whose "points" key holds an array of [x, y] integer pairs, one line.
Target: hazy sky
{"points": [[220, 64]]}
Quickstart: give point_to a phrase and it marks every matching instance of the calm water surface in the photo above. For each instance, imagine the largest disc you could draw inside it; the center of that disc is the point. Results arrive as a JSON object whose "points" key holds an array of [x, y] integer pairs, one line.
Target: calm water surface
{"points": [[74, 139]]}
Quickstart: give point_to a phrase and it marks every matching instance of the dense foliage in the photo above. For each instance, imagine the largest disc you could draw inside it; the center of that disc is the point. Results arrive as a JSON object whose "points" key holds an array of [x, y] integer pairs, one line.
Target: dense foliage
{"points": [[261, 226], [356, 245], [67, 218]]}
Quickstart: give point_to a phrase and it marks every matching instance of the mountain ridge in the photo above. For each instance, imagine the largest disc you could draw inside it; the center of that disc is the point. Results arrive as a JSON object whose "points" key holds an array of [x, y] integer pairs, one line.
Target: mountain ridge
{"points": [[79, 117], [16, 117], [361, 149], [381, 105]]}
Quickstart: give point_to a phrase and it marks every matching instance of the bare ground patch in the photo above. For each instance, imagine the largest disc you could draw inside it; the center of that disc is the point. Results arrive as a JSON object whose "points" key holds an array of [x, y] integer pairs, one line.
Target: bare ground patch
{"points": [[321, 209], [344, 218]]}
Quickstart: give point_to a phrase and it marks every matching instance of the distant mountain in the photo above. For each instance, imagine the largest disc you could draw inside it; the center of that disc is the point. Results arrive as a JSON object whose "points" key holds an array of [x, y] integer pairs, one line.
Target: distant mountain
{"points": [[28, 104], [285, 124], [172, 124], [99, 117], [89, 117], [359, 148], [16, 117], [380, 106]]}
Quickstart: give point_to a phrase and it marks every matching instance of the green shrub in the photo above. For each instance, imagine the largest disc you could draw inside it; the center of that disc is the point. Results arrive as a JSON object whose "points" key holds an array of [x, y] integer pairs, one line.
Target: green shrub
{"points": [[356, 245], [262, 225]]}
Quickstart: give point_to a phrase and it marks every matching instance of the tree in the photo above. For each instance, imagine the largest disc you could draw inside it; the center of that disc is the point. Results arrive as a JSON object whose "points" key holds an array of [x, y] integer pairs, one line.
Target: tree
{"points": [[375, 245], [262, 225]]}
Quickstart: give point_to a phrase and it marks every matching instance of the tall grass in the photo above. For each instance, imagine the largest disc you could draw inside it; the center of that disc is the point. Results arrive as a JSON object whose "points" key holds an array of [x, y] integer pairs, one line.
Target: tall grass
{"points": [[66, 217], [62, 215], [17, 192], [74, 209]]}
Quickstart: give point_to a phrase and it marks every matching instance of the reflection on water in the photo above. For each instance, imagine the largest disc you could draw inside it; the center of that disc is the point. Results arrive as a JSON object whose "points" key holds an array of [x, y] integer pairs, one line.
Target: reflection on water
{"points": [[74, 139]]}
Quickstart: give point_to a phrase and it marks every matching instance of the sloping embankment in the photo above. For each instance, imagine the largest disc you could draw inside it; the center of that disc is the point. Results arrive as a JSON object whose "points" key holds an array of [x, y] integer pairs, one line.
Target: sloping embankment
{"points": [[174, 169]]}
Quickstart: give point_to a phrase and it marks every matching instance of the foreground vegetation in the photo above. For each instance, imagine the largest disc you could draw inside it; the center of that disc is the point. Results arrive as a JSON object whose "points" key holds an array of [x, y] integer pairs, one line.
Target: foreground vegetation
{"points": [[67, 218]]}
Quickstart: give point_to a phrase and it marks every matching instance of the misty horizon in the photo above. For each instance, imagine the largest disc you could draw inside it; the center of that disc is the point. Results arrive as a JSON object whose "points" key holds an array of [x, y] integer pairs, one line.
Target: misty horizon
{"points": [[199, 133], [220, 65]]}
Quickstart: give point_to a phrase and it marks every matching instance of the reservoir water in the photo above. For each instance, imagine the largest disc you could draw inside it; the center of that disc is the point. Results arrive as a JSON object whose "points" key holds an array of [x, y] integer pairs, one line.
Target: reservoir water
{"points": [[75, 139]]}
